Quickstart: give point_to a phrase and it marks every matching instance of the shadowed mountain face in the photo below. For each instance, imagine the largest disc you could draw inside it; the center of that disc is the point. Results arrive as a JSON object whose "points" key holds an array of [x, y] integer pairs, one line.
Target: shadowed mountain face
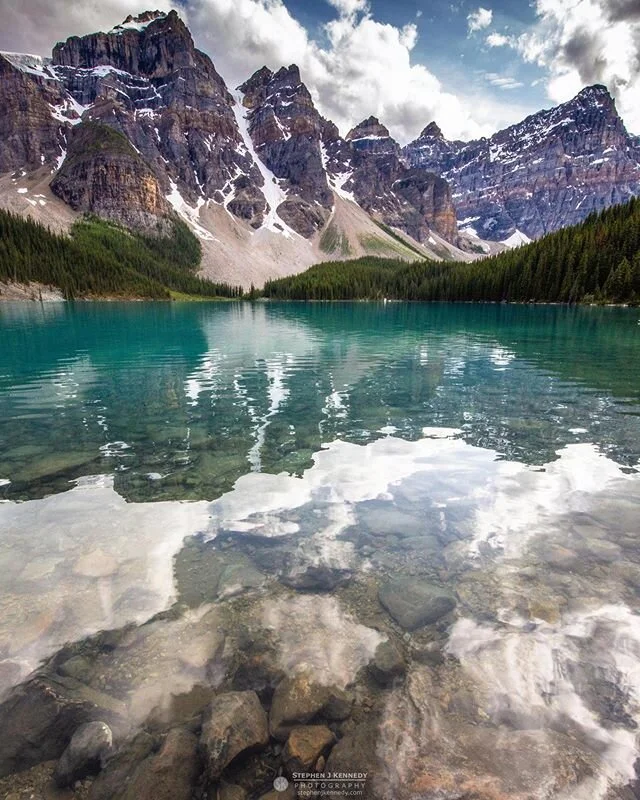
{"points": [[547, 172]]}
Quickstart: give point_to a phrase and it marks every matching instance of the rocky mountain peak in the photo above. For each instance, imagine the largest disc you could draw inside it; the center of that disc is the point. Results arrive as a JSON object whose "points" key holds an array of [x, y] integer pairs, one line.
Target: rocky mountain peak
{"points": [[595, 95], [286, 131], [370, 128], [547, 172], [139, 22], [282, 87], [153, 45], [432, 131], [254, 88], [290, 74]]}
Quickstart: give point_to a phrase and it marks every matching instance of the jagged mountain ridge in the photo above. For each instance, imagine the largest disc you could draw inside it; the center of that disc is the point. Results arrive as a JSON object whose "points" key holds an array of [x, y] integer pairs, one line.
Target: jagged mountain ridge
{"points": [[258, 173], [547, 172], [229, 164]]}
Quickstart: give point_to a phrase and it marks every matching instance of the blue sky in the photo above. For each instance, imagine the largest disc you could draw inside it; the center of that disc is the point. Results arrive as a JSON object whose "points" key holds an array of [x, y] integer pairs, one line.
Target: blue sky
{"points": [[474, 67], [459, 58]]}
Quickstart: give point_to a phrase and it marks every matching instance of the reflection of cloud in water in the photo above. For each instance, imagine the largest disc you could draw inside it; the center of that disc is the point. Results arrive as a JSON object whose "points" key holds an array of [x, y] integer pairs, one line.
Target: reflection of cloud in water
{"points": [[165, 658], [525, 501], [560, 663], [343, 475], [316, 637], [83, 560], [250, 334], [540, 554], [540, 679]]}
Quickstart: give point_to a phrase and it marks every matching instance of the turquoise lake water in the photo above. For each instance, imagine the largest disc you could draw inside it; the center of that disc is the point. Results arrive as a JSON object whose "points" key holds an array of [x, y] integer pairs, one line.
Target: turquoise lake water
{"points": [[276, 472], [201, 393]]}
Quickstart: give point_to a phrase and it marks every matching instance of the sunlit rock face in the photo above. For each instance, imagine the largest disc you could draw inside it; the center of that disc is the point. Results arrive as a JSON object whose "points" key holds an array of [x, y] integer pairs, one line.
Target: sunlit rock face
{"points": [[104, 175], [551, 170]]}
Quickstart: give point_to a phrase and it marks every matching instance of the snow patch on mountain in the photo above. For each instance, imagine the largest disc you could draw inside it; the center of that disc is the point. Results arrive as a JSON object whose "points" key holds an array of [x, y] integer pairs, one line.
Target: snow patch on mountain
{"points": [[137, 23], [190, 214], [272, 191], [31, 64], [516, 239]]}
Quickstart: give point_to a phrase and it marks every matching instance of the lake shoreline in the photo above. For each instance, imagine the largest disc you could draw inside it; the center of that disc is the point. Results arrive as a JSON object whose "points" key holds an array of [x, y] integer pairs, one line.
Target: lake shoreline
{"points": [[39, 293]]}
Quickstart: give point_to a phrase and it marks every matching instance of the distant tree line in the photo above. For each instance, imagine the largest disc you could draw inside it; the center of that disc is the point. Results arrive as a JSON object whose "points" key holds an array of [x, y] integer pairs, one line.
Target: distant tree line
{"points": [[596, 261], [101, 259]]}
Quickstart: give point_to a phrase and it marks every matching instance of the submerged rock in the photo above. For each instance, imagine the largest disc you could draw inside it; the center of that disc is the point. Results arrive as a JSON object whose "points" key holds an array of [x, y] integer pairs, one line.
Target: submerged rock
{"points": [[230, 791], [234, 722], [413, 602], [305, 746], [388, 663], [381, 520], [169, 775], [281, 794], [320, 578], [183, 709], [298, 700], [204, 574], [85, 754], [356, 752], [77, 667], [111, 782], [42, 716]]}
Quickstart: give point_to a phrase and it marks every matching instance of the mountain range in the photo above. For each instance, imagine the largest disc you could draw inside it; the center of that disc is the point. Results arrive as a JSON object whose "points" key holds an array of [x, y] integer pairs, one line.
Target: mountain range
{"points": [[135, 125]]}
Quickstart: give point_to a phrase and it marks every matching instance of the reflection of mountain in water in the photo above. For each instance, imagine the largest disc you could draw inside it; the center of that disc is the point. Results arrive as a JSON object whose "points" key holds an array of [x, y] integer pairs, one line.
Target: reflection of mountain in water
{"points": [[180, 400]]}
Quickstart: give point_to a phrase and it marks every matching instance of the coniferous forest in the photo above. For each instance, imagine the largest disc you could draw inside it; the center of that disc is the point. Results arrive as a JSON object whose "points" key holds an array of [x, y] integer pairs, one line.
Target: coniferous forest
{"points": [[596, 261], [100, 259]]}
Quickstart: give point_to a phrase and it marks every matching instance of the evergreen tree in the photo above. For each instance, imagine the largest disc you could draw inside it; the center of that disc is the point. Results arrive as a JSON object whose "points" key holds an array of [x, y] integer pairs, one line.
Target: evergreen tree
{"points": [[598, 260], [102, 259]]}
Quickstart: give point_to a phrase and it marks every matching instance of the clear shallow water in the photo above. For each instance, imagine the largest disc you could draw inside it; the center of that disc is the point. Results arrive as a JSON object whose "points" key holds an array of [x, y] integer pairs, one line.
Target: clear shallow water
{"points": [[490, 450], [180, 400]]}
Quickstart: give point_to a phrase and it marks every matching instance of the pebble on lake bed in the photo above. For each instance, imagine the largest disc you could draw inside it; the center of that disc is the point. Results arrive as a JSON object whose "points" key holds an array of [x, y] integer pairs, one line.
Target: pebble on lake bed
{"points": [[85, 755]]}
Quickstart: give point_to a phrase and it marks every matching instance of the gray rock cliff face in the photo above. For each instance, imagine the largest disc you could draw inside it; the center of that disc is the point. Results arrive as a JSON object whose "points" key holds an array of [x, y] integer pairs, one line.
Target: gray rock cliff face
{"points": [[269, 158], [30, 135], [413, 200], [267, 155], [286, 129], [147, 79], [104, 175], [549, 171]]}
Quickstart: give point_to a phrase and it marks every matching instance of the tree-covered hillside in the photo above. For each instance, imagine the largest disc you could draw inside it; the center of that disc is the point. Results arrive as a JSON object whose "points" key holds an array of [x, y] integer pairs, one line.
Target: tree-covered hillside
{"points": [[101, 259], [598, 260]]}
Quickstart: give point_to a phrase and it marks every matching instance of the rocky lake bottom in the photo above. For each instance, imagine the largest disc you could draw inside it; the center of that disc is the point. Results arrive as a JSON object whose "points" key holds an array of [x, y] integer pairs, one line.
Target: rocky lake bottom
{"points": [[392, 550]]}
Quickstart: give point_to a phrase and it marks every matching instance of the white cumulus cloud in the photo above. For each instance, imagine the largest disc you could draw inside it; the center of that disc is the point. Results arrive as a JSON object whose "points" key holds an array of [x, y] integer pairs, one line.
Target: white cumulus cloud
{"points": [[35, 26], [581, 42], [498, 39], [349, 7], [479, 19], [362, 66]]}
